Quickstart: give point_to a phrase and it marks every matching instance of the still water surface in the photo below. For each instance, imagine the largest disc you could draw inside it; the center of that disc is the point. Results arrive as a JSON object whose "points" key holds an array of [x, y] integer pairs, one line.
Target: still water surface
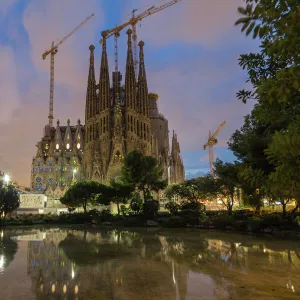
{"points": [[136, 264]]}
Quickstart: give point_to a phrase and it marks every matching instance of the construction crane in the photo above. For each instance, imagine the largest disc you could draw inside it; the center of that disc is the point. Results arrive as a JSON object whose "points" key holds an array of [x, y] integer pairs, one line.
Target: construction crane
{"points": [[133, 21], [52, 51], [210, 144]]}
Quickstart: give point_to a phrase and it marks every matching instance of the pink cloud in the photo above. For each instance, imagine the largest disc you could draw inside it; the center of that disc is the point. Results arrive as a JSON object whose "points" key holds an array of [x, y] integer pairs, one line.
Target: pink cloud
{"points": [[189, 21]]}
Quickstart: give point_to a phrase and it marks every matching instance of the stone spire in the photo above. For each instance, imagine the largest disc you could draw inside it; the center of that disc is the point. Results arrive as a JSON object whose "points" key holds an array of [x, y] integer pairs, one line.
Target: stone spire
{"points": [[68, 140], [91, 106], [142, 93], [130, 82], [104, 83]]}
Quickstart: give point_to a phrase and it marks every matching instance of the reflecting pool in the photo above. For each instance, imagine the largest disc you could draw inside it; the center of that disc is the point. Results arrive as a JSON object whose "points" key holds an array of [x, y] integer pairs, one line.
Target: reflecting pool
{"points": [[68, 263]]}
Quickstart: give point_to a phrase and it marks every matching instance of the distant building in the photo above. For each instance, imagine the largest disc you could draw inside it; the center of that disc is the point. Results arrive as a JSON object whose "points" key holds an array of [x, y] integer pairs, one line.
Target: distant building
{"points": [[118, 119]]}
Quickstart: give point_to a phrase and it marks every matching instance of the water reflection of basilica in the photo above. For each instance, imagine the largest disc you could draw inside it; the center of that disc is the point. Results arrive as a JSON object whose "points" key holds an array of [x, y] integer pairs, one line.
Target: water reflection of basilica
{"points": [[130, 267], [173, 265]]}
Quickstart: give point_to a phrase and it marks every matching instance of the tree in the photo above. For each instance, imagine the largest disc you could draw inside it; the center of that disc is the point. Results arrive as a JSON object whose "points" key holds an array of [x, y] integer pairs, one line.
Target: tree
{"points": [[9, 200], [142, 173], [268, 144], [85, 192], [119, 193], [191, 190], [224, 183]]}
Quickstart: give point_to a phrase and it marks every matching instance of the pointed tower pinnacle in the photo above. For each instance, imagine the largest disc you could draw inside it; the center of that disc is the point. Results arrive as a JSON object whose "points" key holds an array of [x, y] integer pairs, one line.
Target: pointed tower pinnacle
{"points": [[142, 93], [130, 82], [90, 106], [104, 83]]}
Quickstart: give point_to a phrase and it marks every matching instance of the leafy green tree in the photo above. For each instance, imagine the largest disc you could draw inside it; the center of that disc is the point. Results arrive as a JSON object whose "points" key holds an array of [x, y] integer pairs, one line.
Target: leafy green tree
{"points": [[193, 190], [269, 141], [143, 173], [224, 183], [253, 183], [119, 193], [83, 193], [9, 200]]}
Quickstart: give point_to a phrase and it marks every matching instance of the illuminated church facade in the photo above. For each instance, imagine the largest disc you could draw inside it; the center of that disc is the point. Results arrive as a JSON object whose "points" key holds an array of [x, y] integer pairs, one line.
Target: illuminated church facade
{"points": [[118, 119]]}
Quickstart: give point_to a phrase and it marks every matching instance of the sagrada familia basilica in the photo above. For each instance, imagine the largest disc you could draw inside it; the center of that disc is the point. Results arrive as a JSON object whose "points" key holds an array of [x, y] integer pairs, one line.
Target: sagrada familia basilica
{"points": [[118, 119]]}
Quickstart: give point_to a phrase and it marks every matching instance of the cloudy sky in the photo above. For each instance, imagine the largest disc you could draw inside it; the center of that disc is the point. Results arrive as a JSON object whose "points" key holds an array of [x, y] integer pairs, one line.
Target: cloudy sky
{"points": [[191, 54]]}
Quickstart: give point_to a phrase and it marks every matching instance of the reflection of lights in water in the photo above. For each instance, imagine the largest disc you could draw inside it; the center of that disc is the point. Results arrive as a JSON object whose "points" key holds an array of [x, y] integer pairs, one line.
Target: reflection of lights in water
{"points": [[76, 289], [65, 289], [1, 261], [53, 288], [173, 273]]}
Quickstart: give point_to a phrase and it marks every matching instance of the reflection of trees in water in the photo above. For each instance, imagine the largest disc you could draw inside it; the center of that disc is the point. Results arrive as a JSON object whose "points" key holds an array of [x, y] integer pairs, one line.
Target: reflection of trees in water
{"points": [[8, 249], [119, 262]]}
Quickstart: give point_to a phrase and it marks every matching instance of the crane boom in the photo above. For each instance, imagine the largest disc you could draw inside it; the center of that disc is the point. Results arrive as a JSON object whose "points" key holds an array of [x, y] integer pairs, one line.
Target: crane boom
{"points": [[53, 47], [210, 144], [52, 51], [133, 21]]}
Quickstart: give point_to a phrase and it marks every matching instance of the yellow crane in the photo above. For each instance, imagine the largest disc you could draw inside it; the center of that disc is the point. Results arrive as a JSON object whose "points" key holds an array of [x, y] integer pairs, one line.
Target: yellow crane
{"points": [[52, 51], [210, 144], [133, 21]]}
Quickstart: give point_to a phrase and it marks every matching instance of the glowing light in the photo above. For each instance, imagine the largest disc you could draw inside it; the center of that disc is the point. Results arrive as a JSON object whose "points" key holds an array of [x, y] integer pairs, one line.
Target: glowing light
{"points": [[42, 287], [68, 146], [57, 146], [78, 145], [1, 261], [2, 234], [53, 288], [76, 289], [65, 289], [73, 273], [7, 178]]}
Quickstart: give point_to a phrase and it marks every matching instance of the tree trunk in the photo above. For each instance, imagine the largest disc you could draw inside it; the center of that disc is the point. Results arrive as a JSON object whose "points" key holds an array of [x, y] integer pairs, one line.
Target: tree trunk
{"points": [[283, 208], [229, 209], [84, 206], [118, 206]]}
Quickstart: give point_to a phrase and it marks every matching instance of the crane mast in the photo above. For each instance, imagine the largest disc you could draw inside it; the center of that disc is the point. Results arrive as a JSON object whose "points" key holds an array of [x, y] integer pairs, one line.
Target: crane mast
{"points": [[133, 21], [52, 51], [210, 144]]}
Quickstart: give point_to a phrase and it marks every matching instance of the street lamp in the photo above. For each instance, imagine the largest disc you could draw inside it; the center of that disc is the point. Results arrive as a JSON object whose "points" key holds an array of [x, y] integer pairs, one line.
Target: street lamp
{"points": [[74, 173], [6, 179]]}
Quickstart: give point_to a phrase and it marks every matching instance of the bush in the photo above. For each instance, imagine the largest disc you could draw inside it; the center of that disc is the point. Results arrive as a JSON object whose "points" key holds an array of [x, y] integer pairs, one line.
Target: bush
{"points": [[297, 220], [150, 209], [173, 222], [192, 206], [136, 204], [224, 221], [272, 220], [192, 217], [105, 215], [125, 210], [172, 207], [255, 224]]}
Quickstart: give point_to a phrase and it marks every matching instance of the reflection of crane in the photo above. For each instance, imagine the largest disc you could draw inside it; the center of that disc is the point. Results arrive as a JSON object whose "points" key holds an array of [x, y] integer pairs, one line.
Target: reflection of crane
{"points": [[52, 51], [133, 21], [210, 144]]}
